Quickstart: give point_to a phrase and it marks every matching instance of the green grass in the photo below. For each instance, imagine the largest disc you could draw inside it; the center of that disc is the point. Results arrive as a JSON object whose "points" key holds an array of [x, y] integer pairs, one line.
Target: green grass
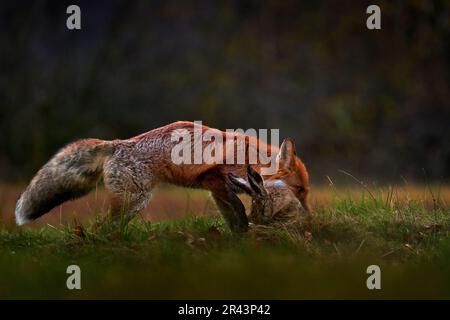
{"points": [[323, 256]]}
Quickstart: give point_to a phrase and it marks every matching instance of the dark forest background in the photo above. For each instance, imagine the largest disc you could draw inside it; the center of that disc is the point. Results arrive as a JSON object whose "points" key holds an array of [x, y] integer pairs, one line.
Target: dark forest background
{"points": [[374, 103]]}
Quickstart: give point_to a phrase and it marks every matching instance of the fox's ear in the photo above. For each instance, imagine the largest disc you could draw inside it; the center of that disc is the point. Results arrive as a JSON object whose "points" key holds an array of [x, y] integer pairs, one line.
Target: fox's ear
{"points": [[286, 155]]}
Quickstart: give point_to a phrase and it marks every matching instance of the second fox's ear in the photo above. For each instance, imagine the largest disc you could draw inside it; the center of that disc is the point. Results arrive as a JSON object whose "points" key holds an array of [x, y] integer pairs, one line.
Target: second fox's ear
{"points": [[286, 155]]}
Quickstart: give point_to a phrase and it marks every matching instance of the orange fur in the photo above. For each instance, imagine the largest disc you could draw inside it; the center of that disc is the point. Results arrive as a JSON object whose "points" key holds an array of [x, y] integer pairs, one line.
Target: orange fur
{"points": [[131, 168]]}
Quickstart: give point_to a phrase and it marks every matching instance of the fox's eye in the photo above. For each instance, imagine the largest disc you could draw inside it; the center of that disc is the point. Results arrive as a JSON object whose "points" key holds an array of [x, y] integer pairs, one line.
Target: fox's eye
{"points": [[301, 189]]}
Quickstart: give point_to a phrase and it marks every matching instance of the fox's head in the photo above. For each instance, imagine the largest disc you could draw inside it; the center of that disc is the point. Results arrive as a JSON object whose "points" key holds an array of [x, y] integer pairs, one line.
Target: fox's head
{"points": [[292, 172]]}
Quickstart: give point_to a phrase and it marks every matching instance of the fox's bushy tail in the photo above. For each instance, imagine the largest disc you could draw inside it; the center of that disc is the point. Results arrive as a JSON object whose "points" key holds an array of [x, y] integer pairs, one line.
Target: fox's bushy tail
{"points": [[71, 173]]}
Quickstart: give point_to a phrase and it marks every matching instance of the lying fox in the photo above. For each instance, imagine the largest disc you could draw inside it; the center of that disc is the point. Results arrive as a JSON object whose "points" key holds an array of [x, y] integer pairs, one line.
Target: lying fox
{"points": [[131, 168]]}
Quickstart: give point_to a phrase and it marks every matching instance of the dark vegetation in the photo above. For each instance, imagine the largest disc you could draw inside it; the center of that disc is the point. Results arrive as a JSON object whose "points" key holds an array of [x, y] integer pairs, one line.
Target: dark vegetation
{"points": [[375, 103]]}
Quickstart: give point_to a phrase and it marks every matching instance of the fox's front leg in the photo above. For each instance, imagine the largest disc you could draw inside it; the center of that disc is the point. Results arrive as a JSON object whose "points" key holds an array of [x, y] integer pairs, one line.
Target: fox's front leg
{"points": [[262, 203], [227, 201], [232, 210]]}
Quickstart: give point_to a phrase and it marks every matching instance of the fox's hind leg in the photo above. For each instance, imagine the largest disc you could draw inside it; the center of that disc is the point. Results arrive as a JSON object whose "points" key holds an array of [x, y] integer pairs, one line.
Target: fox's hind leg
{"points": [[130, 188], [126, 205]]}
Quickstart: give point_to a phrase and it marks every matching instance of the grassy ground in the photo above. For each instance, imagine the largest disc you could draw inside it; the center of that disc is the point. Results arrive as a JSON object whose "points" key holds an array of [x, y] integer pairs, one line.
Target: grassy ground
{"points": [[323, 256]]}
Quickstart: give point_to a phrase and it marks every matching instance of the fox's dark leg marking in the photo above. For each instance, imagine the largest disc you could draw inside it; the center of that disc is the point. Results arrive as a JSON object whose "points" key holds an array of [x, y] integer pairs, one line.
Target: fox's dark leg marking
{"points": [[226, 211], [233, 211], [227, 201]]}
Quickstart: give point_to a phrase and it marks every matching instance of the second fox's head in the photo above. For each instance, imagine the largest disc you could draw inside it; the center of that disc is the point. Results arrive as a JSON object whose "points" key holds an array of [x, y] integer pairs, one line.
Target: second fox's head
{"points": [[292, 172]]}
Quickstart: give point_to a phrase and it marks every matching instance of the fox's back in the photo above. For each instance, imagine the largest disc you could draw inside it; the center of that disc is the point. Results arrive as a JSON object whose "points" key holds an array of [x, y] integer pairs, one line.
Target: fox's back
{"points": [[154, 150]]}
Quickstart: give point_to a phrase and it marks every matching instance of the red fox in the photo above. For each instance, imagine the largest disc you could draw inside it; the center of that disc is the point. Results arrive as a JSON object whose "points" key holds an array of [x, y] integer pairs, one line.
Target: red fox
{"points": [[131, 168]]}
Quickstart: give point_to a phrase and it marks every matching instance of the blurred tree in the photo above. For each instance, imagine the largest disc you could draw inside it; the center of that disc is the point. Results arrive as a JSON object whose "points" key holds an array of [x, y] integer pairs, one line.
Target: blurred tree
{"points": [[375, 103]]}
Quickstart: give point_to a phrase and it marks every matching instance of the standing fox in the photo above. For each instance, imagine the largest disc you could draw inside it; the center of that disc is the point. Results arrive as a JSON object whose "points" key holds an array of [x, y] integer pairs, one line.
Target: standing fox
{"points": [[131, 168]]}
